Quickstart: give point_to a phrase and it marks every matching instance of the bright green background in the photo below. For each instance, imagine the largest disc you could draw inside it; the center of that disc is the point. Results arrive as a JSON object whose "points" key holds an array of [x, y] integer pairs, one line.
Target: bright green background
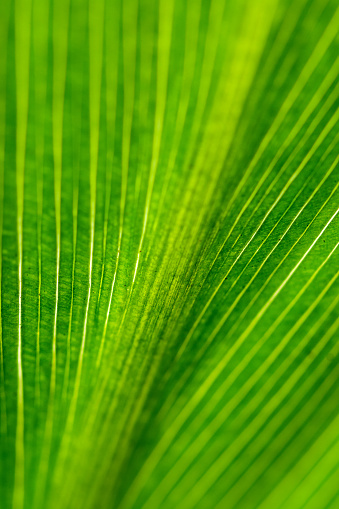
{"points": [[169, 265]]}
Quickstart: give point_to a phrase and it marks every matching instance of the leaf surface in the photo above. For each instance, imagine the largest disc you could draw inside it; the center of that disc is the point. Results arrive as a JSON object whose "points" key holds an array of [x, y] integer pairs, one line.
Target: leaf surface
{"points": [[169, 225]]}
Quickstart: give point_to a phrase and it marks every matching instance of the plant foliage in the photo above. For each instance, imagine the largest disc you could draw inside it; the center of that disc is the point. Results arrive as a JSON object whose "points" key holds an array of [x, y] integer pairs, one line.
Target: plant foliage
{"points": [[168, 254]]}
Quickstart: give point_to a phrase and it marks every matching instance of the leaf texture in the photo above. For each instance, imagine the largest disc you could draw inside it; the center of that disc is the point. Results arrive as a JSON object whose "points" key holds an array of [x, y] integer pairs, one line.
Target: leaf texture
{"points": [[169, 230]]}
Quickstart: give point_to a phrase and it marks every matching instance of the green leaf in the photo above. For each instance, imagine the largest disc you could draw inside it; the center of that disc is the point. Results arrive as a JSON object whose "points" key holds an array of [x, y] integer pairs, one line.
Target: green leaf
{"points": [[168, 254]]}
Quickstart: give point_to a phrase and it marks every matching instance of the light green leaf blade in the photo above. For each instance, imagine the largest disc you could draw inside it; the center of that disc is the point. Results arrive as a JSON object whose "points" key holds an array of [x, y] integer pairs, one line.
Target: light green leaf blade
{"points": [[169, 230]]}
